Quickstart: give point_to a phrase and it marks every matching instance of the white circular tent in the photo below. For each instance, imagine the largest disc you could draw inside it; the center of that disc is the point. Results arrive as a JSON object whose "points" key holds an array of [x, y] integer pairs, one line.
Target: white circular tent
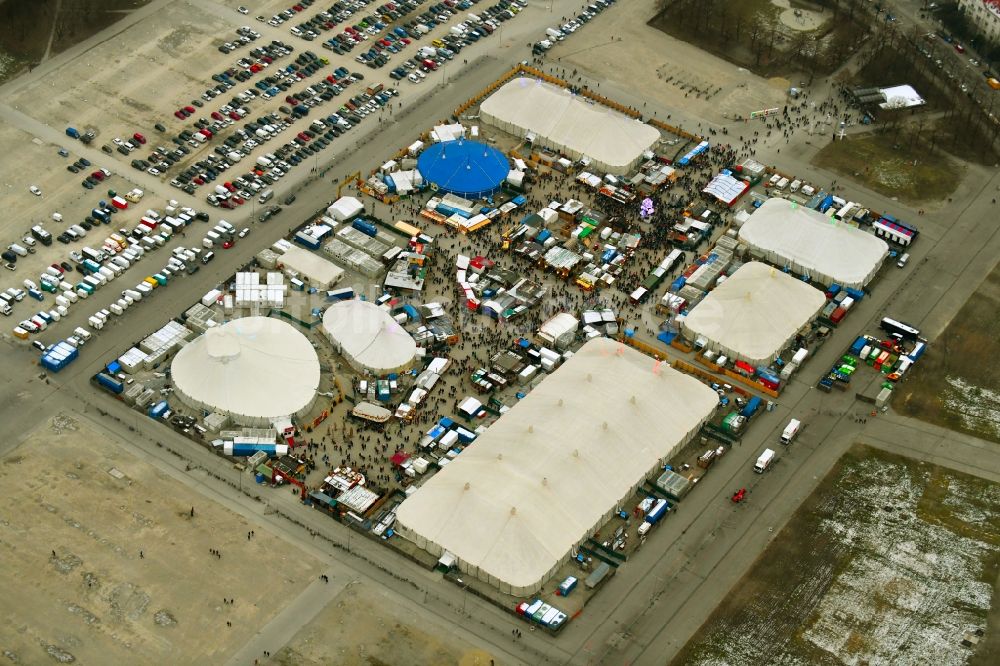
{"points": [[368, 337], [254, 369]]}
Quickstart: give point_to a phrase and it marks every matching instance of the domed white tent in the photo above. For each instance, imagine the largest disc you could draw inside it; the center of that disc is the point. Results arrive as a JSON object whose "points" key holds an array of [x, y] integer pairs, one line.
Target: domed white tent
{"points": [[254, 369], [368, 337]]}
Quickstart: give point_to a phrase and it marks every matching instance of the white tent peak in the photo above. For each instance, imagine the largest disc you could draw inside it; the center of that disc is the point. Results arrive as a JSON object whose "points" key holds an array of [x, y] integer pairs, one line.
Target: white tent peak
{"points": [[221, 345]]}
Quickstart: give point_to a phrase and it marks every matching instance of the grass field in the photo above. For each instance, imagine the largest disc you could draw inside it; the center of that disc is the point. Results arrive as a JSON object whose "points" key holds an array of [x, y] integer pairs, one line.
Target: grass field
{"points": [[887, 166], [889, 561], [956, 384]]}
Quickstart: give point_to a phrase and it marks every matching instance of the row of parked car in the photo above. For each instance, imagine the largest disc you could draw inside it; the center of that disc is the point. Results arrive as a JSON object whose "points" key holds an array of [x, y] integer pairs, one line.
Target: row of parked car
{"points": [[244, 35], [341, 11], [287, 14], [558, 34], [258, 59], [116, 255]]}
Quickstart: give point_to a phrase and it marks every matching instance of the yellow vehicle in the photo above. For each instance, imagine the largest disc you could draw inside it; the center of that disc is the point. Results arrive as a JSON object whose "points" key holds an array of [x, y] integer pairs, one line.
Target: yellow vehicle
{"points": [[151, 281], [993, 83], [438, 43]]}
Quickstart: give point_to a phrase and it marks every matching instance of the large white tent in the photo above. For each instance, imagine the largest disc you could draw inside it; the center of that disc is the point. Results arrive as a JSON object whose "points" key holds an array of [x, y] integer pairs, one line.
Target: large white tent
{"points": [[254, 369], [569, 123], [810, 243], [555, 467], [368, 337], [754, 314]]}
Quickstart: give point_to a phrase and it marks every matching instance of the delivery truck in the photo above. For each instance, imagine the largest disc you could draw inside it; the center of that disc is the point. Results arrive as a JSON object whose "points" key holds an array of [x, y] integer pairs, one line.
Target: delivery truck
{"points": [[765, 460], [791, 431]]}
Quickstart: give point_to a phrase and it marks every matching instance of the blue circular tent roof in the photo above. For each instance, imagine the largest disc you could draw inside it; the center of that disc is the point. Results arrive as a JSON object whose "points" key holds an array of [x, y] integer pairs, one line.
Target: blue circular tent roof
{"points": [[469, 169]]}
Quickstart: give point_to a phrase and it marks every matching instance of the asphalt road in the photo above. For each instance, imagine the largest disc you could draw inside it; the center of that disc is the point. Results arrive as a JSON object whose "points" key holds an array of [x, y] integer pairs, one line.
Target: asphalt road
{"points": [[667, 589]]}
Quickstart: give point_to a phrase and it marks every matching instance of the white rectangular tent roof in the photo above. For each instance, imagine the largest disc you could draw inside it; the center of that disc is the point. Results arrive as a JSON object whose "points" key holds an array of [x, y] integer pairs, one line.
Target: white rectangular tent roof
{"points": [[556, 466], [569, 123], [754, 314], [313, 268], [810, 243]]}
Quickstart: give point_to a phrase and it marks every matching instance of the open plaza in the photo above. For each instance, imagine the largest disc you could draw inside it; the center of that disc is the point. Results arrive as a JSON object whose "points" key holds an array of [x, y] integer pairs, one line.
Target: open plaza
{"points": [[457, 325]]}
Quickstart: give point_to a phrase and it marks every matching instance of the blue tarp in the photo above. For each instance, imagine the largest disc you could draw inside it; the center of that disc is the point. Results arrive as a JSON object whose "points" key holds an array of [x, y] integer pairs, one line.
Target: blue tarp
{"points": [[469, 169]]}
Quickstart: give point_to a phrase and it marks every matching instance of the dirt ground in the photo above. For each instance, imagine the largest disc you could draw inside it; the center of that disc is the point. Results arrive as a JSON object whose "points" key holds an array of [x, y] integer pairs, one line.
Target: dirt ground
{"points": [[103, 561], [875, 161], [889, 561], [367, 626], [955, 385], [704, 85]]}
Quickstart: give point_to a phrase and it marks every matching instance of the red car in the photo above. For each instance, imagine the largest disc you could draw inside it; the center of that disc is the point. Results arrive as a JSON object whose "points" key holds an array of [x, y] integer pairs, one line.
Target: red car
{"points": [[58, 268], [227, 244], [229, 186], [198, 180], [239, 201], [959, 48], [216, 115], [138, 137], [234, 115], [180, 114], [189, 109], [98, 175], [303, 136]]}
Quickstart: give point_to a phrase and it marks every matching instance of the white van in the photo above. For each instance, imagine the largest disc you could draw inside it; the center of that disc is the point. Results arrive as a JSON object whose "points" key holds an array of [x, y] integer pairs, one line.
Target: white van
{"points": [[764, 461], [265, 196], [903, 260], [791, 430]]}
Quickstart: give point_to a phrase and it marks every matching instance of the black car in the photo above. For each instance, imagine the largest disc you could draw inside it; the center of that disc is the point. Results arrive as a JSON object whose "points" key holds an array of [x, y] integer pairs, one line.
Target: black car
{"points": [[68, 267], [289, 199]]}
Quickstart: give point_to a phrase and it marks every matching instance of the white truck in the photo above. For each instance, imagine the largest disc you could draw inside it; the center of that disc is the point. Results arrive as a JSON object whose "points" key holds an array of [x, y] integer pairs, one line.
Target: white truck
{"points": [[764, 461], [791, 431]]}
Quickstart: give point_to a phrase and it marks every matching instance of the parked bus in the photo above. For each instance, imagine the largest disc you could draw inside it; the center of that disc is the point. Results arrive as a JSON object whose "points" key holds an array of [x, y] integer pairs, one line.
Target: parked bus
{"points": [[904, 331]]}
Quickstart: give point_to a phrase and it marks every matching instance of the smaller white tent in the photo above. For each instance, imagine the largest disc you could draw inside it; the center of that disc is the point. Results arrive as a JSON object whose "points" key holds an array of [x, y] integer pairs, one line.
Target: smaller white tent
{"points": [[810, 243], [754, 314], [559, 330], [368, 337], [345, 208]]}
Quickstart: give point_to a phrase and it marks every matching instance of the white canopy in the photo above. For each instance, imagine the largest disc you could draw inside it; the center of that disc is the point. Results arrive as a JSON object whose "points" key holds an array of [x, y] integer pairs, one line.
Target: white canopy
{"points": [[345, 208], [254, 369], [569, 123], [368, 337], [754, 314], [810, 243], [550, 471]]}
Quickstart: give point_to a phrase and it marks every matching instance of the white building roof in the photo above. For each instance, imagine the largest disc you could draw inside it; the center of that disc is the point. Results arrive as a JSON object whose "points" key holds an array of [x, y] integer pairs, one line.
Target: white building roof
{"points": [[900, 97], [754, 314], [569, 123], [311, 267], [810, 243], [368, 337], [255, 369], [556, 466]]}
